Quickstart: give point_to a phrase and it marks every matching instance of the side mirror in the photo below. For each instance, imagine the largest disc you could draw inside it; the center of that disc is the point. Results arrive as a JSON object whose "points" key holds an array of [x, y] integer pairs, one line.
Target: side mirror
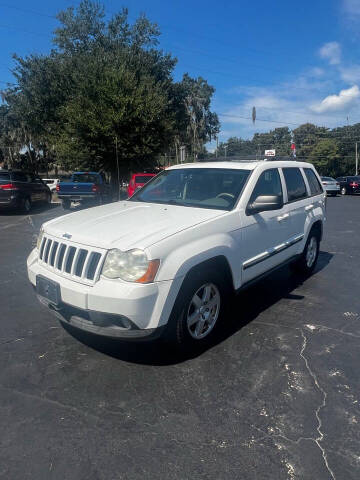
{"points": [[264, 203]]}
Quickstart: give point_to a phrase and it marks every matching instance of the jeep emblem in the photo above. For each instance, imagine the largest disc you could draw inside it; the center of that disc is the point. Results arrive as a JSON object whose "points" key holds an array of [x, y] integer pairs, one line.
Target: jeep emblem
{"points": [[67, 235]]}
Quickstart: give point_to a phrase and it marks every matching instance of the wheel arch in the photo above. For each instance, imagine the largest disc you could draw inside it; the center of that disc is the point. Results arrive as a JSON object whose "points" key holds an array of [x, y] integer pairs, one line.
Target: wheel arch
{"points": [[318, 227]]}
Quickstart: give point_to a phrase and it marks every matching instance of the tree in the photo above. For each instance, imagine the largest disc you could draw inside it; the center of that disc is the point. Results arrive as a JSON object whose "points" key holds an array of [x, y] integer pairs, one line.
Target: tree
{"points": [[324, 156], [202, 125]]}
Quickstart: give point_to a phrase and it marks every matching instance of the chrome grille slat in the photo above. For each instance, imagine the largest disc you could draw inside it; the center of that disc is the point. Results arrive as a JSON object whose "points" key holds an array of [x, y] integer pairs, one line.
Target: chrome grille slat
{"points": [[43, 242], [52, 253], [86, 265], [73, 261], [47, 250]]}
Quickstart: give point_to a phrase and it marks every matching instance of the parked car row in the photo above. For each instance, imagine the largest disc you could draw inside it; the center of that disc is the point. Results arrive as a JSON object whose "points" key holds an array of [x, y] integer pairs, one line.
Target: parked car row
{"points": [[344, 185]]}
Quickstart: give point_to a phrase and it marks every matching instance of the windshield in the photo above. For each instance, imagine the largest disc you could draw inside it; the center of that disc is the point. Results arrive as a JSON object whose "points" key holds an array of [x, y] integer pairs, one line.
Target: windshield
{"points": [[85, 178], [214, 188]]}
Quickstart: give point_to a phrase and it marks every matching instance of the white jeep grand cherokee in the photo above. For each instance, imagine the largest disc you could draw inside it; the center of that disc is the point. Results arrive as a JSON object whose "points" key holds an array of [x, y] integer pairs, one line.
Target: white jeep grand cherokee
{"points": [[164, 261]]}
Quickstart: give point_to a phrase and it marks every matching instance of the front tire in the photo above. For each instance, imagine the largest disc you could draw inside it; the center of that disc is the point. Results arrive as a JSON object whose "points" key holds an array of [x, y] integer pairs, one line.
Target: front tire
{"points": [[198, 309], [307, 262]]}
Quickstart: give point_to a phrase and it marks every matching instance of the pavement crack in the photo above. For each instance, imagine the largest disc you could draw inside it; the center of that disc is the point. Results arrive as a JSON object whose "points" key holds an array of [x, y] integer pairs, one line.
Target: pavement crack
{"points": [[52, 402], [320, 437]]}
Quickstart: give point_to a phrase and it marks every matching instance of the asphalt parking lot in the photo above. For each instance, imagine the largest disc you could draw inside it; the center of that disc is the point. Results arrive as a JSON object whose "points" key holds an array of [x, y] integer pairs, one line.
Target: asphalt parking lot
{"points": [[276, 396]]}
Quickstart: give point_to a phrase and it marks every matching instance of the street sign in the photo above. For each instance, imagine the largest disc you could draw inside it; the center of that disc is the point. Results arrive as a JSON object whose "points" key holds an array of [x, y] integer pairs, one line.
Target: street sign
{"points": [[269, 153]]}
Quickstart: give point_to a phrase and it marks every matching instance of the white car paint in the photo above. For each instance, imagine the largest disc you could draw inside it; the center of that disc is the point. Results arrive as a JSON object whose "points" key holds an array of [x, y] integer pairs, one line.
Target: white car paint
{"points": [[181, 237], [51, 183]]}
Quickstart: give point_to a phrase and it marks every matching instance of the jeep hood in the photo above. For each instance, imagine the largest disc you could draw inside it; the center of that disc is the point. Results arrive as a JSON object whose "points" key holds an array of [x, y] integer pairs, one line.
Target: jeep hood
{"points": [[126, 225]]}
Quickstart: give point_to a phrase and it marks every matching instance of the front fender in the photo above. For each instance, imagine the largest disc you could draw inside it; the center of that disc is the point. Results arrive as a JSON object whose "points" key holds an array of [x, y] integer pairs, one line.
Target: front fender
{"points": [[182, 259]]}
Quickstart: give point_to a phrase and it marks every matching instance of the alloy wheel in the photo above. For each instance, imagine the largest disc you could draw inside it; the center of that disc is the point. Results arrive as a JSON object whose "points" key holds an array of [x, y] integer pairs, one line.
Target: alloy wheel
{"points": [[311, 252], [203, 311]]}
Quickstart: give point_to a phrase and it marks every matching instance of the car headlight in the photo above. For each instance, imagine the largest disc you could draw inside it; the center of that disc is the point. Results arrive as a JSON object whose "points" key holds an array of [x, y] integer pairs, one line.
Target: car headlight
{"points": [[39, 238], [131, 266]]}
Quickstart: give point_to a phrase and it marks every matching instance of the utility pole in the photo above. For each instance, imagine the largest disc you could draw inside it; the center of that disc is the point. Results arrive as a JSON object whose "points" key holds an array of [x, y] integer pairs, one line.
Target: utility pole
{"points": [[217, 145], [356, 160], [226, 147], [117, 165]]}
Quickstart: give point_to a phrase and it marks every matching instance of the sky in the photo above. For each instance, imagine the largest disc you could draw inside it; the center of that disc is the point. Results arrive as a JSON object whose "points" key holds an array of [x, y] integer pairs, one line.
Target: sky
{"points": [[296, 62]]}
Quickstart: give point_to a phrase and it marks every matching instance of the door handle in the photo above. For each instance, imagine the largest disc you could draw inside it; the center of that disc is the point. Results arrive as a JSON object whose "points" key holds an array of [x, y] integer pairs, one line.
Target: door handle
{"points": [[309, 207], [280, 218]]}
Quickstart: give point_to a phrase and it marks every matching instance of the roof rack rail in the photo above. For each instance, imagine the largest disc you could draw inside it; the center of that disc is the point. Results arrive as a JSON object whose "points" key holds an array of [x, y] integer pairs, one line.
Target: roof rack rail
{"points": [[251, 158]]}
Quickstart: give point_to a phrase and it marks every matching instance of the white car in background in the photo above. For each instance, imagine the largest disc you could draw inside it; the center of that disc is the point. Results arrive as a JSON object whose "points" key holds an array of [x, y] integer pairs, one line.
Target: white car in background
{"points": [[165, 261], [51, 183], [331, 186]]}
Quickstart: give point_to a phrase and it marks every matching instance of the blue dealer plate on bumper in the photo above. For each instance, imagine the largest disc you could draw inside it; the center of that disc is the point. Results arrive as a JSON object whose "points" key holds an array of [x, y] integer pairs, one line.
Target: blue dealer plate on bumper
{"points": [[48, 290]]}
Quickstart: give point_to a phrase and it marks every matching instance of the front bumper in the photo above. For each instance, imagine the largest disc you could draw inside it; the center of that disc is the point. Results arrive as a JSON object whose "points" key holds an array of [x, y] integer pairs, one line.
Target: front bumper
{"points": [[101, 323], [109, 307]]}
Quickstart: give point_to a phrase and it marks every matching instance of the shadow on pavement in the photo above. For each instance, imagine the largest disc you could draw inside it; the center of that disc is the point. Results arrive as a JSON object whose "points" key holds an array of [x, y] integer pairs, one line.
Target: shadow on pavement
{"points": [[35, 210], [244, 307]]}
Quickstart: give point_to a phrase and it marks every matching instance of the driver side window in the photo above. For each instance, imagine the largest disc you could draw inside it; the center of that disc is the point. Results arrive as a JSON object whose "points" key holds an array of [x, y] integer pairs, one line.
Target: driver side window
{"points": [[269, 183]]}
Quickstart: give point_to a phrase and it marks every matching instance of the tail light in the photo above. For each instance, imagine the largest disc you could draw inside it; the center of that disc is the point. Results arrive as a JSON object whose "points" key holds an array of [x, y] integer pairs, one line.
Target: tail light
{"points": [[9, 186], [95, 188], [353, 184], [58, 188], [337, 184], [325, 183]]}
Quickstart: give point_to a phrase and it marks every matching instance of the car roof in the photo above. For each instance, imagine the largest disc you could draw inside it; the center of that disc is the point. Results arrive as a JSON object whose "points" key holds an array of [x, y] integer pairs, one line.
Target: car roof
{"points": [[242, 165], [87, 173]]}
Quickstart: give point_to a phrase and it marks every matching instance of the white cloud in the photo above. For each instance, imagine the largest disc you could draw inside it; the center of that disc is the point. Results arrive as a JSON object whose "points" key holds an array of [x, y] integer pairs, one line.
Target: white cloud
{"points": [[340, 102], [332, 52]]}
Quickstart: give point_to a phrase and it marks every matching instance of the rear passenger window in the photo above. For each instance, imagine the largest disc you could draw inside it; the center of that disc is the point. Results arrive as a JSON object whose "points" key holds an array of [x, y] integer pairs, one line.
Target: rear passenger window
{"points": [[295, 184], [314, 184], [268, 184]]}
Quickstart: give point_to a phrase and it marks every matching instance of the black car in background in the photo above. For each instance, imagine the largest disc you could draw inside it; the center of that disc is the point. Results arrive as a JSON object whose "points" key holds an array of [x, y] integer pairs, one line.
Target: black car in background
{"points": [[349, 185], [21, 190]]}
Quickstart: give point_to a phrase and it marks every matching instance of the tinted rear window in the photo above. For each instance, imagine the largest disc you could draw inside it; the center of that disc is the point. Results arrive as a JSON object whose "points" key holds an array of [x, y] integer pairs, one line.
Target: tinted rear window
{"points": [[328, 179], [314, 184], [4, 177], [295, 184], [353, 179], [142, 179], [85, 178]]}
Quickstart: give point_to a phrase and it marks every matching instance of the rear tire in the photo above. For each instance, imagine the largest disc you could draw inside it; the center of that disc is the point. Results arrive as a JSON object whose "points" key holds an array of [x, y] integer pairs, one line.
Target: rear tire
{"points": [[199, 308], [26, 205], [308, 259], [343, 191], [66, 204]]}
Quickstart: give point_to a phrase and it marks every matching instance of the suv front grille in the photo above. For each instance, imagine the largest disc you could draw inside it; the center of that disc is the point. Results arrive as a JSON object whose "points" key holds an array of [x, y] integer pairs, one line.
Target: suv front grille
{"points": [[71, 260]]}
